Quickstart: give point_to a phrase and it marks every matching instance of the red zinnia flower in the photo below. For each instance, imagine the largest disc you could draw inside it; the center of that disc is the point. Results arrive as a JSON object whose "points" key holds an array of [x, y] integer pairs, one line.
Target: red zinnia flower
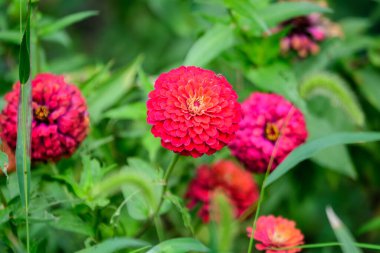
{"points": [[225, 176], [193, 111], [60, 118], [276, 232], [264, 116]]}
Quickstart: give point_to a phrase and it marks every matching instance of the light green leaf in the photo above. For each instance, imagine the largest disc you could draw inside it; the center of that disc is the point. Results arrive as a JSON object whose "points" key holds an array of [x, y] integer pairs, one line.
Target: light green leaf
{"points": [[64, 22], [113, 245], [10, 36], [179, 245], [337, 90], [135, 111], [112, 90], [307, 150], [279, 12], [178, 203], [277, 78], [4, 162], [342, 233], [226, 226], [67, 221], [210, 45]]}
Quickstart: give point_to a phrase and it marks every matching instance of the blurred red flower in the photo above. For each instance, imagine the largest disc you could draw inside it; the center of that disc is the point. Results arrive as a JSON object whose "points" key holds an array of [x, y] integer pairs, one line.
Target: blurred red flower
{"points": [[193, 111], [264, 116], [60, 118], [276, 232], [226, 177]]}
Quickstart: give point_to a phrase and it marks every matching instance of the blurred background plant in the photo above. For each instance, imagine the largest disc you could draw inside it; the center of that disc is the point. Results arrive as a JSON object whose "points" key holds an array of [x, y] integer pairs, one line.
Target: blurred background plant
{"points": [[113, 50]]}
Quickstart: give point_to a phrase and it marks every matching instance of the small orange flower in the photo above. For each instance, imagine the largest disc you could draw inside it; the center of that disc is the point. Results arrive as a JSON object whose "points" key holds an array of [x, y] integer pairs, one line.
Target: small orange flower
{"points": [[276, 232]]}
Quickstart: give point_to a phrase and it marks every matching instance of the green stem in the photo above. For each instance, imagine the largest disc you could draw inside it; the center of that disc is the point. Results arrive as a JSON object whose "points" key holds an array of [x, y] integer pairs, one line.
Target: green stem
{"points": [[328, 244], [167, 174], [3, 199], [262, 190]]}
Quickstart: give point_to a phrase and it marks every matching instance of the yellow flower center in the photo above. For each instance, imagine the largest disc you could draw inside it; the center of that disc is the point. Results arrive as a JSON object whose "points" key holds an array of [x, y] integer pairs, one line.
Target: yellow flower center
{"points": [[41, 113], [271, 132], [195, 105]]}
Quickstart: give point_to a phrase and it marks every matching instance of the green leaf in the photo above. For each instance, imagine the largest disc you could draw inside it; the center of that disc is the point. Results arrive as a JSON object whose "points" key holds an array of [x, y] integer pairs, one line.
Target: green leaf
{"points": [[342, 233], [367, 81], [178, 203], [179, 245], [112, 90], [307, 150], [10, 36], [279, 12], [372, 225], [4, 162], [135, 111], [67, 221], [64, 22], [226, 226], [277, 78], [24, 68], [216, 40], [336, 89], [113, 245]]}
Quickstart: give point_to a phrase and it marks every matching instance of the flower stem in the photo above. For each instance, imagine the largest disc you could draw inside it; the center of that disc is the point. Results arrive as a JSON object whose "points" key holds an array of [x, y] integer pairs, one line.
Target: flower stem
{"points": [[167, 174], [262, 190]]}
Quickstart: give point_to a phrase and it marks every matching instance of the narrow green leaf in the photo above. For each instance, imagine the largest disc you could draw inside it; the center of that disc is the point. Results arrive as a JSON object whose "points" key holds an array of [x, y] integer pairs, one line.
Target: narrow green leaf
{"points": [[372, 225], [279, 12], [307, 150], [342, 233], [113, 245], [216, 40], [367, 80], [24, 68], [112, 90], [4, 162], [64, 22], [179, 245], [336, 89], [68, 221]]}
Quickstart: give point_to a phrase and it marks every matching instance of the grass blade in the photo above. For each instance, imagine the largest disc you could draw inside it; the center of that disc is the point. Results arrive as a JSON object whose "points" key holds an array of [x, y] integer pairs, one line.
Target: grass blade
{"points": [[307, 150], [342, 233]]}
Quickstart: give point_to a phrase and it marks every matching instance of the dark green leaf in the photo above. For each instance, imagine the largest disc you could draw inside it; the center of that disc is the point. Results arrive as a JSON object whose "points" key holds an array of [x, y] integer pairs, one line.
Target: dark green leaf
{"points": [[135, 111], [372, 225], [64, 22], [24, 68], [179, 245], [178, 203], [307, 150]]}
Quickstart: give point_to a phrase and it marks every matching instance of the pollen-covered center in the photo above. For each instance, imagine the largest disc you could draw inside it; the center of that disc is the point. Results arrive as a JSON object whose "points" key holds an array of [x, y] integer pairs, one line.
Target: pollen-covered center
{"points": [[279, 238], [271, 132], [41, 113], [195, 105]]}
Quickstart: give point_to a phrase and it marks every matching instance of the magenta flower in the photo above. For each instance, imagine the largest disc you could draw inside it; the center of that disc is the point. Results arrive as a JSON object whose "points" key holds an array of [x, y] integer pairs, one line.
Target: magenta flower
{"points": [[60, 118], [264, 117]]}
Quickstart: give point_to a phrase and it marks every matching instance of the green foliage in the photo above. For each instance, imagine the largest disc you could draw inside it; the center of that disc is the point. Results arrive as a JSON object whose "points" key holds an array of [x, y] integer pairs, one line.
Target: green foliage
{"points": [[334, 87], [179, 245], [114, 245]]}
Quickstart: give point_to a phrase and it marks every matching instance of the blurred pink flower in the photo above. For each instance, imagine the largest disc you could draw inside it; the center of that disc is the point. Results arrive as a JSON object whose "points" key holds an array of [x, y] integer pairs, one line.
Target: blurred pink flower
{"points": [[276, 232], [60, 118], [264, 115], [226, 177]]}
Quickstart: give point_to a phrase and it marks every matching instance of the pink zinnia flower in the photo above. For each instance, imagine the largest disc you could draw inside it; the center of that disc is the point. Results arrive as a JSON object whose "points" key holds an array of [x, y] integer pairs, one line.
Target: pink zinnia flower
{"points": [[194, 111], [264, 116], [60, 118], [226, 177], [276, 232]]}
